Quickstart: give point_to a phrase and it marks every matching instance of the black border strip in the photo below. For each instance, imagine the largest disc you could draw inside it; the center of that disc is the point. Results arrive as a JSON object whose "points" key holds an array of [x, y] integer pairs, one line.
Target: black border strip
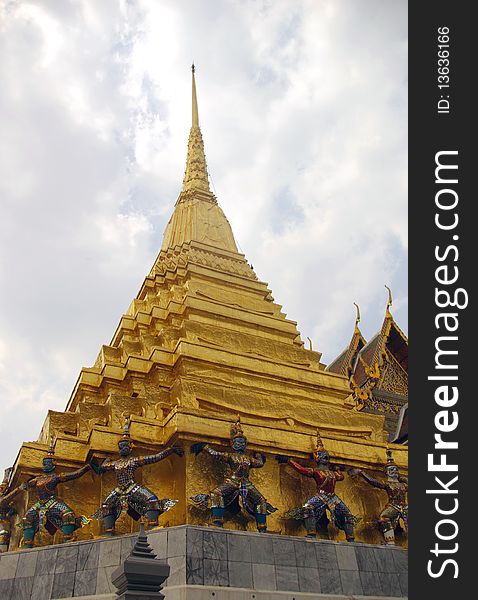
{"points": [[432, 132]]}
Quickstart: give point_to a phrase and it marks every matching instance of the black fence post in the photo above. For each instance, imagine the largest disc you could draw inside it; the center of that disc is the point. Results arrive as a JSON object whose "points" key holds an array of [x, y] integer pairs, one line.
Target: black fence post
{"points": [[141, 576]]}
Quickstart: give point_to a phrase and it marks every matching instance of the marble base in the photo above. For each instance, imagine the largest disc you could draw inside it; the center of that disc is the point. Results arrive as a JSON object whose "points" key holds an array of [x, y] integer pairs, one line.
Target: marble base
{"points": [[202, 559]]}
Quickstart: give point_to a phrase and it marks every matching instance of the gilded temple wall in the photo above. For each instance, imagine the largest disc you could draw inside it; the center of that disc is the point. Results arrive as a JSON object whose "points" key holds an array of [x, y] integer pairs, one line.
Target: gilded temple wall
{"points": [[182, 477]]}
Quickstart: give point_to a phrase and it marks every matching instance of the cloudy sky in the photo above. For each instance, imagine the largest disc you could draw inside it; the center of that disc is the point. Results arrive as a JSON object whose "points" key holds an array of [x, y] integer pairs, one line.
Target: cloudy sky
{"points": [[303, 109]]}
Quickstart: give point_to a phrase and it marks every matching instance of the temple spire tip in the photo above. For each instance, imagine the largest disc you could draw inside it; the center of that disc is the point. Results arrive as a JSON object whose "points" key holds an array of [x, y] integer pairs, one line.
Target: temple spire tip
{"points": [[195, 176], [195, 120]]}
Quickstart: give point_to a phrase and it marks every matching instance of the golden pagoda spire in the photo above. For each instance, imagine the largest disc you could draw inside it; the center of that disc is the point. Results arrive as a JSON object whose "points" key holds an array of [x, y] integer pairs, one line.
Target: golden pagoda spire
{"points": [[197, 216], [195, 177]]}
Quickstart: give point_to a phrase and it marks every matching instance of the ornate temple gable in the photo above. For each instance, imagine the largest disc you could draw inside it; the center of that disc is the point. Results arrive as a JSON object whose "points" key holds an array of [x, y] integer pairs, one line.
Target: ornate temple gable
{"points": [[364, 367], [391, 339], [386, 352], [380, 378], [397, 345], [344, 363], [377, 370], [393, 377]]}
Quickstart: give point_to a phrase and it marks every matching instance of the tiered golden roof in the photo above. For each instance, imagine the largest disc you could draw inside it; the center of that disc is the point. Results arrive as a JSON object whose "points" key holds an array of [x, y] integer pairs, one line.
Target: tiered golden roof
{"points": [[377, 370]]}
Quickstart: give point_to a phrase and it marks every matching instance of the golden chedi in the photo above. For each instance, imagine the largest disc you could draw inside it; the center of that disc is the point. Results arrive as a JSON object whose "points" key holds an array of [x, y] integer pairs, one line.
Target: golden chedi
{"points": [[203, 342]]}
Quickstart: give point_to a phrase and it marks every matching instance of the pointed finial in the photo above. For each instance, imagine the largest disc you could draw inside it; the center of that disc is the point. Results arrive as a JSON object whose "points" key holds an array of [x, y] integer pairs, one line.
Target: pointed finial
{"points": [[389, 303], [142, 548], [357, 318], [195, 121]]}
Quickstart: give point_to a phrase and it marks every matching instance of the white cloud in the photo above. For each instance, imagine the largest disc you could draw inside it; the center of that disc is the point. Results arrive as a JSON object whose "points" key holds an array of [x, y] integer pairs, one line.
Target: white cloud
{"points": [[303, 111]]}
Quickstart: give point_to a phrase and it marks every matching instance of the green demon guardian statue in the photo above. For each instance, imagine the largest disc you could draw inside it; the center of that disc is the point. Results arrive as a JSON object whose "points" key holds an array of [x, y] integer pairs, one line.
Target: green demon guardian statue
{"points": [[137, 499], [396, 508], [313, 512], [237, 484], [50, 513]]}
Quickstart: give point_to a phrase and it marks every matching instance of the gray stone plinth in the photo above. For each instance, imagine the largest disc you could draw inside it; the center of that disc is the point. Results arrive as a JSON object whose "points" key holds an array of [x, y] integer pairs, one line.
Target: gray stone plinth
{"points": [[232, 564], [196, 592]]}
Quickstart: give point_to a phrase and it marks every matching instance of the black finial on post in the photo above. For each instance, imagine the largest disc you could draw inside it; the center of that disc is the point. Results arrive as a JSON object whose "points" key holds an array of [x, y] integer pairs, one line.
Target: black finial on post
{"points": [[142, 575], [193, 68], [142, 547]]}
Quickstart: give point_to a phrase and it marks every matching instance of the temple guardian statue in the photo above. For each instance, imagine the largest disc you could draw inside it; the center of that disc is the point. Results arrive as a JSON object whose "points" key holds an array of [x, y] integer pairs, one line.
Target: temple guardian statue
{"points": [[50, 513], [7, 511], [137, 499], [237, 486], [396, 508], [326, 476]]}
